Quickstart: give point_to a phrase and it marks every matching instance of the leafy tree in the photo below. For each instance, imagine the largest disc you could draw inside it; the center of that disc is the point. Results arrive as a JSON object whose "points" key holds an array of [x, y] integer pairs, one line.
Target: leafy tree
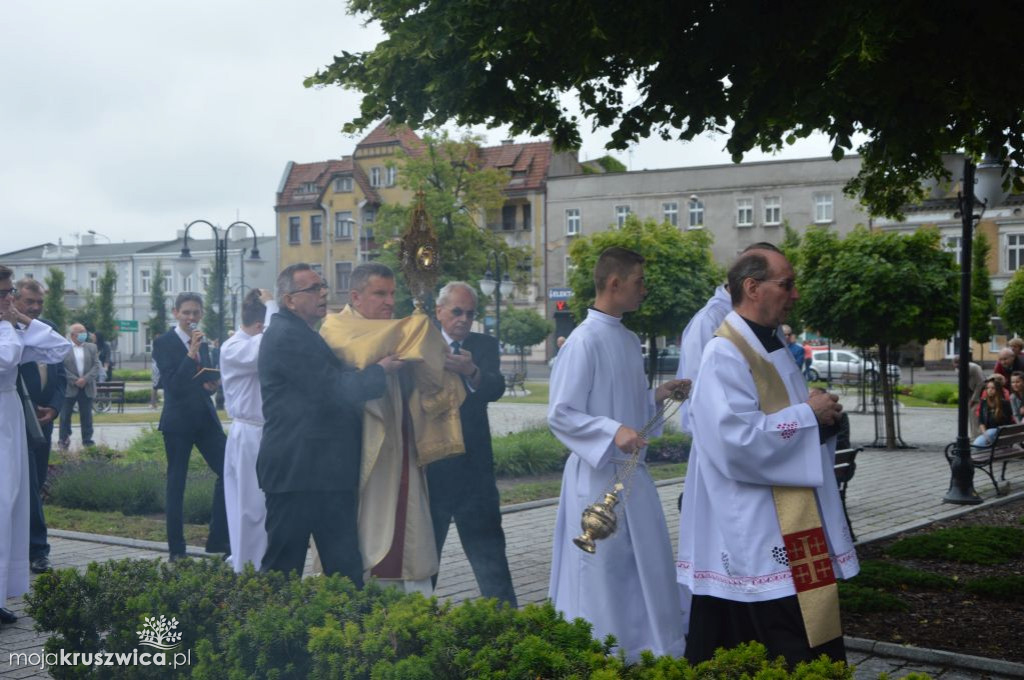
{"points": [[105, 305], [879, 288], [680, 275], [524, 328], [458, 193], [157, 304], [836, 67], [790, 247], [54, 308], [1012, 308], [983, 301], [215, 315]]}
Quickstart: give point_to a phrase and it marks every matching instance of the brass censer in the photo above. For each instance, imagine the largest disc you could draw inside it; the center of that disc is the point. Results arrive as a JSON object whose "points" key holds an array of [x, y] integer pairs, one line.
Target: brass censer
{"points": [[599, 519]]}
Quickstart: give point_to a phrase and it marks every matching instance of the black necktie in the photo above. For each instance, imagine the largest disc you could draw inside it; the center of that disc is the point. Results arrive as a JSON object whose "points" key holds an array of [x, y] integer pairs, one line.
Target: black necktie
{"points": [[455, 346]]}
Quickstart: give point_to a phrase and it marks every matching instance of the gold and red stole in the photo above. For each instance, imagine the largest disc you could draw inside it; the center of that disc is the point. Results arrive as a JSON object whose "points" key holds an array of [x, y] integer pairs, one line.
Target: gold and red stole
{"points": [[799, 519]]}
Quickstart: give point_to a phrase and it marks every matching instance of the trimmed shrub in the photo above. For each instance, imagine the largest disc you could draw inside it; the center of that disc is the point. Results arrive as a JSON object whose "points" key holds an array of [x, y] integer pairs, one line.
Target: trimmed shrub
{"points": [[137, 396], [940, 393], [669, 448], [133, 375], [254, 625], [864, 600], [1006, 588], [971, 545], [529, 452], [889, 575]]}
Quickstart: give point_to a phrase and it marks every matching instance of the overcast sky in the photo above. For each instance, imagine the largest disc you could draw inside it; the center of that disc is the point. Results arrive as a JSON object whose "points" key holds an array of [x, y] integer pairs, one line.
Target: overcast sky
{"points": [[132, 118]]}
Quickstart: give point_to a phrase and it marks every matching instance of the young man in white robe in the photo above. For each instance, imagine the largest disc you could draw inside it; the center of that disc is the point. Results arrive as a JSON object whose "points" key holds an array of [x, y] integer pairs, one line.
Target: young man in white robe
{"points": [[599, 403], [762, 536], [243, 499], [21, 340]]}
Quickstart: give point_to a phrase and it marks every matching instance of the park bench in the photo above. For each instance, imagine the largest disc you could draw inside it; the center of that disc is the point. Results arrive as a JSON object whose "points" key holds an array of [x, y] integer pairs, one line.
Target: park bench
{"points": [[1008, 445], [845, 466], [514, 381], [108, 394]]}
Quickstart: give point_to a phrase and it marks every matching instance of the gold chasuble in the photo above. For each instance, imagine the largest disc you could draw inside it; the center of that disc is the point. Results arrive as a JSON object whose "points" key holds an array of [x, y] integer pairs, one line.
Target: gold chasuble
{"points": [[799, 519], [394, 511]]}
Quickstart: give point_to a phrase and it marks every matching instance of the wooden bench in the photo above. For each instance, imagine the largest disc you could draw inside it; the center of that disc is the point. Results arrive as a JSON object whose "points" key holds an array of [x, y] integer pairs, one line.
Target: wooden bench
{"points": [[845, 467], [108, 394], [1008, 445]]}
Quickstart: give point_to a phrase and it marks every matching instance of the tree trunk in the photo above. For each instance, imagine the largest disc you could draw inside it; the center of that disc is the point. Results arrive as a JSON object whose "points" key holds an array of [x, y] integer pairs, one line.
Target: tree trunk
{"points": [[887, 400]]}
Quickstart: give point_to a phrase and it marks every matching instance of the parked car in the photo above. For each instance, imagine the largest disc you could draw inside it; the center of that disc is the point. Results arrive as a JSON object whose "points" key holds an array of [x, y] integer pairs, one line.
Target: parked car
{"points": [[846, 366], [668, 359]]}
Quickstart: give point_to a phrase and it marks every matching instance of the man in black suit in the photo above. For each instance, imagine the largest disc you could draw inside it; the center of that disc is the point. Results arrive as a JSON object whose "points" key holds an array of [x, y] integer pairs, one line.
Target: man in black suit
{"points": [[463, 488], [189, 419], [308, 464], [45, 384]]}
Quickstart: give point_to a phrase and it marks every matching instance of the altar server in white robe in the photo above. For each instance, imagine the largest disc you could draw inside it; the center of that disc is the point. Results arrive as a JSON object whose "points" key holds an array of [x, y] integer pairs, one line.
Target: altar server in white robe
{"points": [[599, 402], [21, 340], [759, 441], [244, 500]]}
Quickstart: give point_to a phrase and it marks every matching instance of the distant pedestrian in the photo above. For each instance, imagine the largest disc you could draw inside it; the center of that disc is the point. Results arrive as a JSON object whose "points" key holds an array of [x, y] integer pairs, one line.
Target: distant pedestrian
{"points": [[794, 346], [82, 366]]}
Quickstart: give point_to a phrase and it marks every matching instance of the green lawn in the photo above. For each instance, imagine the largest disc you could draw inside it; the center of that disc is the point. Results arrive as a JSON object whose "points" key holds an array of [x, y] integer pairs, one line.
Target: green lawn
{"points": [[537, 394], [143, 527]]}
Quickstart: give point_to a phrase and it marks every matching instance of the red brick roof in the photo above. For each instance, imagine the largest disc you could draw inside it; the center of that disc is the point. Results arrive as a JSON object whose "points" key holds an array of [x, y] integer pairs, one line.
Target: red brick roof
{"points": [[385, 133], [320, 175], [526, 163]]}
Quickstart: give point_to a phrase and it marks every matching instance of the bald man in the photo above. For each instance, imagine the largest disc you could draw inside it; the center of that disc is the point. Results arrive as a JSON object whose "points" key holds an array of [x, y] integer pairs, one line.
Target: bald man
{"points": [[82, 367]]}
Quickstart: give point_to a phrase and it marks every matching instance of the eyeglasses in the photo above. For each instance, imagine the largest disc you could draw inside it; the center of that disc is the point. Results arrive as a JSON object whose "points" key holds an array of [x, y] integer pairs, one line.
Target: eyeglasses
{"points": [[315, 288], [4, 292], [785, 284], [459, 311]]}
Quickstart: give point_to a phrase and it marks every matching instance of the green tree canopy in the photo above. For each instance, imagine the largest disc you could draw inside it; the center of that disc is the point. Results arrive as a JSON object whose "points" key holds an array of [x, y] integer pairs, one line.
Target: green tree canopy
{"points": [[983, 301], [524, 328], [679, 70], [105, 304], [54, 307], [157, 304], [215, 316], [878, 288], [680, 274], [458, 193], [1012, 308]]}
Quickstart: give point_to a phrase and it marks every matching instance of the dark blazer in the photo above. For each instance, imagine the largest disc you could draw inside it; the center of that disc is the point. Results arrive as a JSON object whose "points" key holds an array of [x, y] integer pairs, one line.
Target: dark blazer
{"points": [[313, 410], [460, 476], [52, 395], [187, 405]]}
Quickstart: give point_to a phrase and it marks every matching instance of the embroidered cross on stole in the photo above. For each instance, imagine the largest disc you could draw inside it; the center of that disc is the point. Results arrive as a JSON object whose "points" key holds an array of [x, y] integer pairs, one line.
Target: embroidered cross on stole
{"points": [[799, 519]]}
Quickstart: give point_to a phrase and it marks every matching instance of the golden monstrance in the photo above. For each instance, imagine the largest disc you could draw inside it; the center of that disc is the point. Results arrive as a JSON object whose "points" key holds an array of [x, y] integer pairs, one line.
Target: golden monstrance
{"points": [[419, 255]]}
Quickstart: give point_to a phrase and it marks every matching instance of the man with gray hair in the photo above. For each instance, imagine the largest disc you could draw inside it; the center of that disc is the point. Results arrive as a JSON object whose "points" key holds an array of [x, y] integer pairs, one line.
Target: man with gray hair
{"points": [[464, 488], [309, 457], [45, 384]]}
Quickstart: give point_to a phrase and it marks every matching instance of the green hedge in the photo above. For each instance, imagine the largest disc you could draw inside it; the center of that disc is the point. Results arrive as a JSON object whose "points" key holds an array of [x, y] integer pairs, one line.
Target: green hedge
{"points": [[133, 375], [529, 452], [137, 488], [253, 625], [940, 393]]}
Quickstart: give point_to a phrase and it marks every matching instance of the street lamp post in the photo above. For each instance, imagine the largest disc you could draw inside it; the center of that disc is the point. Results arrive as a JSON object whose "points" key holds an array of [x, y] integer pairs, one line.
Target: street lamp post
{"points": [[187, 263], [490, 284], [961, 485], [93, 232]]}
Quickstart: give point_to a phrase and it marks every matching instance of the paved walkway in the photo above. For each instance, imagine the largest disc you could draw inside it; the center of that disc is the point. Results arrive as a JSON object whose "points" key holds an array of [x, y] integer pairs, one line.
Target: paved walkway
{"points": [[892, 491]]}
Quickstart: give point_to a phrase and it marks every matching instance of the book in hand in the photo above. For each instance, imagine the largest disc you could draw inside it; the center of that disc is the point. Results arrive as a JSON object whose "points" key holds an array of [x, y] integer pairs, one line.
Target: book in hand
{"points": [[206, 374]]}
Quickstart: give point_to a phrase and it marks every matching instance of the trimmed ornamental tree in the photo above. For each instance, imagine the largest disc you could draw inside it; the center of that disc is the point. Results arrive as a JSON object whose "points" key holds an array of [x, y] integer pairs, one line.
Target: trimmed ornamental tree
{"points": [[680, 276], [54, 307], [157, 305], [524, 328], [105, 322], [878, 288], [839, 68], [983, 301], [1012, 308]]}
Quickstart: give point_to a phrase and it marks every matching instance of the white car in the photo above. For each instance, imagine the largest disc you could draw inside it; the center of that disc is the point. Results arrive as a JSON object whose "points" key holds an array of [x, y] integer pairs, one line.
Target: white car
{"points": [[846, 366]]}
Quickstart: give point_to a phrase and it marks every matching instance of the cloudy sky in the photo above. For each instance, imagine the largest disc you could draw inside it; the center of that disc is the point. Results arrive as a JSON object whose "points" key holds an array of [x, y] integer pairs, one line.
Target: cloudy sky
{"points": [[132, 118]]}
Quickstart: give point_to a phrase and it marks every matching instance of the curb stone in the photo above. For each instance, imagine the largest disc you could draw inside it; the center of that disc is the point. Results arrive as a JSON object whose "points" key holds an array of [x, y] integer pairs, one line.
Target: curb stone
{"points": [[936, 657]]}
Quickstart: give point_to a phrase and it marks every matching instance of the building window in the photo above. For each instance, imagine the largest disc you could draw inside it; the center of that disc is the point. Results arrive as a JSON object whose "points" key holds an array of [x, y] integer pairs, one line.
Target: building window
{"points": [[744, 212], [168, 280], [343, 225], [204, 278], [343, 185], [671, 213], [621, 211], [508, 217], [376, 176], [1014, 252], [342, 274], [144, 280], [952, 244], [772, 210], [186, 283], [392, 173], [696, 213], [318, 268], [572, 222], [369, 215], [94, 282], [294, 230], [822, 208], [307, 188], [527, 217], [316, 228]]}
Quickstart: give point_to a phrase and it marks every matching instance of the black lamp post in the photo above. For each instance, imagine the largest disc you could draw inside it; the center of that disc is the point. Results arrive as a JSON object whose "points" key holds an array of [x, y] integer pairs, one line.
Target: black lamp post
{"points": [[187, 263], [490, 284], [961, 485]]}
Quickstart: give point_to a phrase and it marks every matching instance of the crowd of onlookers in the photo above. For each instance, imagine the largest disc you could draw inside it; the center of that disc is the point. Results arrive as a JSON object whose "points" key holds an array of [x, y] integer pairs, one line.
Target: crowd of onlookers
{"points": [[996, 400]]}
